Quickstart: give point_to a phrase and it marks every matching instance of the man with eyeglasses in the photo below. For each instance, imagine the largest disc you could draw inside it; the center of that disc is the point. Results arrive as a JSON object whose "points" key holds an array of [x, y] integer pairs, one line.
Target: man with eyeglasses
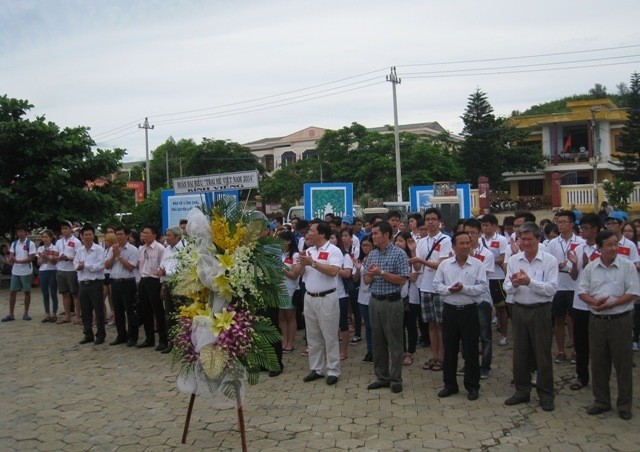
{"points": [[626, 248], [532, 280], [609, 285], [584, 253], [562, 248]]}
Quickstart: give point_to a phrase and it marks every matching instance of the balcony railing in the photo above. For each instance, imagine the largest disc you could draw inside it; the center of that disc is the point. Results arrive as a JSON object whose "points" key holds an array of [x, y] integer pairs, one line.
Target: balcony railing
{"points": [[568, 157]]}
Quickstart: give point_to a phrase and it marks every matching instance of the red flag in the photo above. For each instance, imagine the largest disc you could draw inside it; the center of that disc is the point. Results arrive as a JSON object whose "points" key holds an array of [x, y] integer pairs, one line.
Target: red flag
{"points": [[568, 144]]}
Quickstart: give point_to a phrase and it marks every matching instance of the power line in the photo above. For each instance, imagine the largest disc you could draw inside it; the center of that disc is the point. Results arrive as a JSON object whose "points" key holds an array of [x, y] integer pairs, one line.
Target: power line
{"points": [[522, 56]]}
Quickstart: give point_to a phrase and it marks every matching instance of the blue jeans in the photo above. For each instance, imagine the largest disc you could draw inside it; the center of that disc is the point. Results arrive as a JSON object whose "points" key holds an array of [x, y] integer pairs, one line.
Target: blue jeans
{"points": [[484, 316], [364, 312], [49, 288]]}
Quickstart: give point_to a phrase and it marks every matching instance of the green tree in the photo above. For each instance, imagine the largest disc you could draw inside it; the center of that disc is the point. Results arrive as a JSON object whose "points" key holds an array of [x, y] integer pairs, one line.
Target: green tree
{"points": [[178, 154], [492, 146], [618, 193], [628, 153], [286, 185], [149, 211], [44, 171]]}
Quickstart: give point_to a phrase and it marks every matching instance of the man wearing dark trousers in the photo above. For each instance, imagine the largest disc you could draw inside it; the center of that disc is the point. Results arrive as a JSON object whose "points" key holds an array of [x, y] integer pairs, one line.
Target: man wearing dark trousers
{"points": [[386, 270], [89, 263], [461, 280], [122, 261], [532, 280], [609, 285], [150, 303]]}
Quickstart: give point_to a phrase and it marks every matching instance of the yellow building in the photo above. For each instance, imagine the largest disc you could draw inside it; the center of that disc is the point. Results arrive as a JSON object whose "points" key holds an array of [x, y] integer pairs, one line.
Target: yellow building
{"points": [[579, 145]]}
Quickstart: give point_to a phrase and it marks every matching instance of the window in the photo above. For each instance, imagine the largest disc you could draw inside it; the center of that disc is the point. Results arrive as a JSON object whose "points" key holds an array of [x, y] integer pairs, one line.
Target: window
{"points": [[309, 154], [268, 162], [288, 158], [532, 187]]}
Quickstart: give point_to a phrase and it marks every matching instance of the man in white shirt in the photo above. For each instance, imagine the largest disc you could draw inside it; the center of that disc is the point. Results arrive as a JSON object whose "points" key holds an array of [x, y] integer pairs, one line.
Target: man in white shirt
{"points": [[322, 262], [609, 285], [560, 248], [89, 263], [532, 280], [150, 302], [66, 275], [580, 258], [485, 306], [498, 244], [22, 255], [122, 260], [426, 256], [461, 280], [167, 268]]}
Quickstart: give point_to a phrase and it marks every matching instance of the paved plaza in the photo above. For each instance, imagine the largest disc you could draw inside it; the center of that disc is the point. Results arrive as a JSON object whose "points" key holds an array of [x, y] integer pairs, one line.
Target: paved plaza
{"points": [[58, 395]]}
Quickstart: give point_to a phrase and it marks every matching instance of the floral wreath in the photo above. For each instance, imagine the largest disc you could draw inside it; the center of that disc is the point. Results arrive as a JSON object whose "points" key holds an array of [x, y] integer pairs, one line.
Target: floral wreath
{"points": [[227, 274]]}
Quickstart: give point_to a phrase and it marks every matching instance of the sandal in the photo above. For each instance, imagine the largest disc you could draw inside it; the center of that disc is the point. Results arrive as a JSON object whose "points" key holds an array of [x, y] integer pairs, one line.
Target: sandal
{"points": [[343, 357], [437, 366], [408, 359], [428, 364], [61, 321], [577, 386]]}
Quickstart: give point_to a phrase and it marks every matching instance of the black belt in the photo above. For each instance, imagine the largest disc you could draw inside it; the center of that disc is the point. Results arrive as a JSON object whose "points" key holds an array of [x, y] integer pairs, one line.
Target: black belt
{"points": [[460, 307], [150, 277], [92, 281], [532, 305], [122, 279], [610, 316], [321, 294], [395, 296]]}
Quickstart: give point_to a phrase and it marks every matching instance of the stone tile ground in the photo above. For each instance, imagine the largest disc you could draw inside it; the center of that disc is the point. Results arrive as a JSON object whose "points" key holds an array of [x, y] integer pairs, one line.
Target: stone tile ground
{"points": [[58, 395]]}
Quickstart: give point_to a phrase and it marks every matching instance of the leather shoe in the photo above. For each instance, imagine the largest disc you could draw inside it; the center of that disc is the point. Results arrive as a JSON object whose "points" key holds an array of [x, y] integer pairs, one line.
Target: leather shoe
{"points": [[378, 385], [515, 400], [161, 346], [593, 410], [625, 415], [332, 379], [99, 341], [446, 392], [167, 349], [547, 405], [86, 340], [131, 343], [312, 376], [396, 388], [145, 344], [272, 373], [473, 394], [118, 342]]}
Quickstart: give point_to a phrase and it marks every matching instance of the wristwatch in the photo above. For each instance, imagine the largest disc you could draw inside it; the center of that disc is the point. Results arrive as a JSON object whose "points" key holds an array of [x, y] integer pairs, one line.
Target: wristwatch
{"points": [[381, 272], [313, 265]]}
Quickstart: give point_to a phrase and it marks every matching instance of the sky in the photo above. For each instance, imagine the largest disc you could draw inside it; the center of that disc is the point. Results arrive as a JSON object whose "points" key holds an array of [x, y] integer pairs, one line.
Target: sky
{"points": [[247, 70]]}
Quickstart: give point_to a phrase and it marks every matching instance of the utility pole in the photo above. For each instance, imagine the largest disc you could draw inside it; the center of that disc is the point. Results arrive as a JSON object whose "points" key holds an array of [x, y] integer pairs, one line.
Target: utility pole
{"points": [[146, 128], [393, 78]]}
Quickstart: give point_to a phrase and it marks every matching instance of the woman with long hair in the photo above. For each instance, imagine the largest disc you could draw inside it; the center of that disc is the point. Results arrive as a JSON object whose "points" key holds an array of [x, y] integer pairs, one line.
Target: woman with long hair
{"points": [[411, 294], [292, 271], [366, 245], [351, 286], [343, 297], [46, 254], [630, 231]]}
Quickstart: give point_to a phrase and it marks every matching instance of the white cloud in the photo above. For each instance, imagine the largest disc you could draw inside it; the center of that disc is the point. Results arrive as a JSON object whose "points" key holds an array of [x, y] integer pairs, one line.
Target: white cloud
{"points": [[105, 64]]}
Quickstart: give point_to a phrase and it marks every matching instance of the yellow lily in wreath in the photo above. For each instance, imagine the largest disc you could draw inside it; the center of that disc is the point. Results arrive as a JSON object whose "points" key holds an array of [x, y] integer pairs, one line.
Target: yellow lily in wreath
{"points": [[223, 321]]}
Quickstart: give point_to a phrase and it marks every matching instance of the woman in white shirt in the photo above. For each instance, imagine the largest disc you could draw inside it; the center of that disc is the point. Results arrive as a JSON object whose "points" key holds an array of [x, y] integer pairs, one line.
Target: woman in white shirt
{"points": [[366, 245], [46, 255], [343, 297], [292, 271]]}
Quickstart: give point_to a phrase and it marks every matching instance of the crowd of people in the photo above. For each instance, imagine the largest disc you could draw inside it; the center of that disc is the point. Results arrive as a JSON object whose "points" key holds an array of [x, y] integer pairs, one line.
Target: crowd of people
{"points": [[571, 281], [122, 273]]}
